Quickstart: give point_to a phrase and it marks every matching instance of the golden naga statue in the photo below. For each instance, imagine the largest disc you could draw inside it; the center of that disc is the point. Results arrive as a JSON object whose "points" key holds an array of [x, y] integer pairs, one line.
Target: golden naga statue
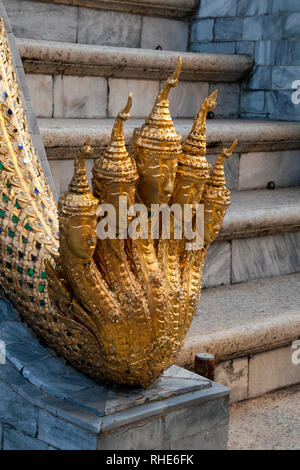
{"points": [[119, 308]]}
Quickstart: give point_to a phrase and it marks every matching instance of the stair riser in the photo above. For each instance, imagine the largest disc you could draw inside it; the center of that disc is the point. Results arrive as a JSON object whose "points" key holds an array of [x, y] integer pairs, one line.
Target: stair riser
{"points": [[99, 97], [73, 24], [255, 375], [243, 259]]}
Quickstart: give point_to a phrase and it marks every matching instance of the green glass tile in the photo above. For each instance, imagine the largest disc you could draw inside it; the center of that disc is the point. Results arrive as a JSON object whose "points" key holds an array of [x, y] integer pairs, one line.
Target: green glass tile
{"points": [[11, 233], [41, 287], [1, 166], [5, 198], [20, 269], [9, 250], [8, 184], [27, 226], [17, 205], [8, 265], [24, 239], [10, 279], [2, 214], [30, 272], [43, 275], [15, 219]]}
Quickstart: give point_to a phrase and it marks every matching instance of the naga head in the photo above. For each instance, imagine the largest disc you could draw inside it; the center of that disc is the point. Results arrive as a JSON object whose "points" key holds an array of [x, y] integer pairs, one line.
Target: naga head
{"points": [[77, 212], [216, 197], [115, 173], [193, 168], [156, 146]]}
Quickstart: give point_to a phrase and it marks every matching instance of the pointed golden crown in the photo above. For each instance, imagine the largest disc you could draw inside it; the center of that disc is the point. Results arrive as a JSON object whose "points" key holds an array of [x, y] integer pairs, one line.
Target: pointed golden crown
{"points": [[215, 189], [195, 143], [158, 132], [79, 199], [115, 164], [193, 151]]}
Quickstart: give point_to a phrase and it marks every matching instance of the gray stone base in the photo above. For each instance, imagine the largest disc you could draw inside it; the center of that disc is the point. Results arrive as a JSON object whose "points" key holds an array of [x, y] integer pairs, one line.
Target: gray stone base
{"points": [[45, 403], [193, 420]]}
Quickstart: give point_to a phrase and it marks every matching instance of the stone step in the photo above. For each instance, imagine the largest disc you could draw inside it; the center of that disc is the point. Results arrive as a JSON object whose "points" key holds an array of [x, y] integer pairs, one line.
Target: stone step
{"points": [[251, 328], [262, 212], [131, 23], [266, 150], [50, 57], [86, 81], [260, 237], [62, 136]]}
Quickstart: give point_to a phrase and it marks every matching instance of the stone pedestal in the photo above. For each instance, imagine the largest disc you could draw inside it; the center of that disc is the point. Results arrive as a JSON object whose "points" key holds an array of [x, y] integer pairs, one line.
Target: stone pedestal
{"points": [[181, 410], [46, 404]]}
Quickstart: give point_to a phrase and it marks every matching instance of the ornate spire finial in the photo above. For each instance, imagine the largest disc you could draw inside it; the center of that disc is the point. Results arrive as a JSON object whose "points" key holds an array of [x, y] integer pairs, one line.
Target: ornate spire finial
{"points": [[117, 135], [115, 163], [158, 132], [195, 143], [160, 114], [79, 183], [217, 176], [78, 198], [171, 82], [215, 189]]}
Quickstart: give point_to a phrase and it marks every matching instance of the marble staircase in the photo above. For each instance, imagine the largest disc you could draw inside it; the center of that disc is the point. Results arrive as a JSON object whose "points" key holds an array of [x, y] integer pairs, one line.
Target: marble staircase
{"points": [[81, 58]]}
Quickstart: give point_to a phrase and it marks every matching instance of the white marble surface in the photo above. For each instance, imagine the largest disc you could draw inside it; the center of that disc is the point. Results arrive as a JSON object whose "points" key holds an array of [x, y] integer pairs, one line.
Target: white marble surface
{"points": [[44, 21], [258, 168], [170, 35], [80, 97], [144, 95], [186, 98], [41, 92], [265, 256], [272, 370], [234, 374], [108, 28], [217, 269]]}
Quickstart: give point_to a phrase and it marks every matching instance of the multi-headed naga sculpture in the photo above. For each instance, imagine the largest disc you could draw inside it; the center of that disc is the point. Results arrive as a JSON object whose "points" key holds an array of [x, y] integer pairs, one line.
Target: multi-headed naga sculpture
{"points": [[117, 309]]}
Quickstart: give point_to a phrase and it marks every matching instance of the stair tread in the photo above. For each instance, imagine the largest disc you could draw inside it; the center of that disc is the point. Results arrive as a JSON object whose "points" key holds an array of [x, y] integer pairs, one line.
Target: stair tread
{"points": [[246, 302], [92, 60], [252, 135], [257, 210], [240, 319]]}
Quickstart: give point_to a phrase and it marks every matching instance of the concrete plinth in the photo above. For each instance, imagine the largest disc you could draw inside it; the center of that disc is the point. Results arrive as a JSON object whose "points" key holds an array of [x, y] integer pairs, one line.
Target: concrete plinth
{"points": [[45, 403]]}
